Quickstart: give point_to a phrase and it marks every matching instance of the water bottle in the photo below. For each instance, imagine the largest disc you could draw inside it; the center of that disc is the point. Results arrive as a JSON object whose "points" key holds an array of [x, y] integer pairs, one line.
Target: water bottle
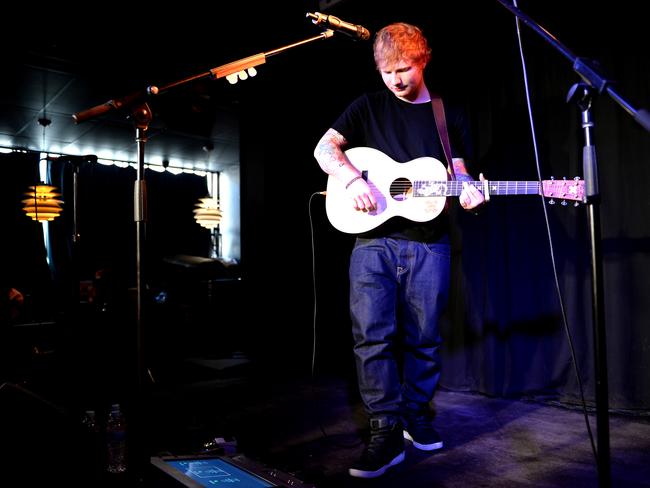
{"points": [[116, 440]]}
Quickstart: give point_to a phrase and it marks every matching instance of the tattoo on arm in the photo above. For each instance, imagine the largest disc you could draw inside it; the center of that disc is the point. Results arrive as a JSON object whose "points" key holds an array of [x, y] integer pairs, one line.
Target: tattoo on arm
{"points": [[460, 170], [329, 151]]}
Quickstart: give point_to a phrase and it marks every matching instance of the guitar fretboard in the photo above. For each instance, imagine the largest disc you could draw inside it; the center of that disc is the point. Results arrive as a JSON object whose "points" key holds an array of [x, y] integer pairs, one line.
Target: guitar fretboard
{"points": [[425, 188]]}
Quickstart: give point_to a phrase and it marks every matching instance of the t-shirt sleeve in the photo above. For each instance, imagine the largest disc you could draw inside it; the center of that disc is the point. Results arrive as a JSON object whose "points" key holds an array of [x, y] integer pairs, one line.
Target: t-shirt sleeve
{"points": [[460, 134], [351, 122]]}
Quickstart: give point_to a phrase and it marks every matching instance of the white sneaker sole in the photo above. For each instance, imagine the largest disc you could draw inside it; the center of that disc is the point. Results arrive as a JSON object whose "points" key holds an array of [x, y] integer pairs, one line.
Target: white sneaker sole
{"points": [[359, 473], [423, 447]]}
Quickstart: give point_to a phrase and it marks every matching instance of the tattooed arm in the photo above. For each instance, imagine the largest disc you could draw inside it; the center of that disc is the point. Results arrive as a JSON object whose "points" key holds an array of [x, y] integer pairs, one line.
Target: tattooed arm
{"points": [[333, 161]]}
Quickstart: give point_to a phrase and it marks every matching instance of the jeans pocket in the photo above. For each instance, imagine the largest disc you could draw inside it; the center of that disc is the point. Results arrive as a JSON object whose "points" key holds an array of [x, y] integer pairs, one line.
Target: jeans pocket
{"points": [[443, 250]]}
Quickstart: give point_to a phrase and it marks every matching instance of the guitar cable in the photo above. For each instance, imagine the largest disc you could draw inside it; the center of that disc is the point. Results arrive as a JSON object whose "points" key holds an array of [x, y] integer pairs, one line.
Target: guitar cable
{"points": [[314, 328], [550, 239], [313, 282]]}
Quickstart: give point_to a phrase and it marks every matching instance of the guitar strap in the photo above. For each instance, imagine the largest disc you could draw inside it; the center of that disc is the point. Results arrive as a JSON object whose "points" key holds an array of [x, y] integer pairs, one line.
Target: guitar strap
{"points": [[441, 125]]}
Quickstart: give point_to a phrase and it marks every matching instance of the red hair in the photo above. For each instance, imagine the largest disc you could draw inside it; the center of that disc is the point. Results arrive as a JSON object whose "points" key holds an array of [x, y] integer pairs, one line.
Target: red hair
{"points": [[401, 41]]}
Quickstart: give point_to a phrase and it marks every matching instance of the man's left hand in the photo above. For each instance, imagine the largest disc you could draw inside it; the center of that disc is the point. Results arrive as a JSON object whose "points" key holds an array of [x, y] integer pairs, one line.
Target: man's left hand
{"points": [[471, 197]]}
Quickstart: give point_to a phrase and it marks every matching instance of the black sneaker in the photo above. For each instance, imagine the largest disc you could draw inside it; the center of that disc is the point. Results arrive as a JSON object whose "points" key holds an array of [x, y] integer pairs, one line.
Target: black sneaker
{"points": [[385, 449], [418, 430]]}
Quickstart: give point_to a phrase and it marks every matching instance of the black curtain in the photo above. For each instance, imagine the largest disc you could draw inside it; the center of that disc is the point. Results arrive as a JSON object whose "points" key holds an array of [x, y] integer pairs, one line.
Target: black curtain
{"points": [[506, 336], [99, 344], [105, 220], [172, 229], [105, 230]]}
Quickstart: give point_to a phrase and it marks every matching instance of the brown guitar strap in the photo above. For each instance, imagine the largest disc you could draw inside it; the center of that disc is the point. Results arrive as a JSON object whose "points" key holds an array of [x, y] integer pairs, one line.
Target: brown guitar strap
{"points": [[441, 125]]}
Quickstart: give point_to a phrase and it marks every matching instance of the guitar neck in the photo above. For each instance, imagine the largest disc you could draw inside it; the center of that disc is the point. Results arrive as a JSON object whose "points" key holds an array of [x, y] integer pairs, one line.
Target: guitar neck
{"points": [[424, 188]]}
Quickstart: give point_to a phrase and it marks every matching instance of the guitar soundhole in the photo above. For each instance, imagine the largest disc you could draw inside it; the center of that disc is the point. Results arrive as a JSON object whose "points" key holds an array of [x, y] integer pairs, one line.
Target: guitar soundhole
{"points": [[401, 189]]}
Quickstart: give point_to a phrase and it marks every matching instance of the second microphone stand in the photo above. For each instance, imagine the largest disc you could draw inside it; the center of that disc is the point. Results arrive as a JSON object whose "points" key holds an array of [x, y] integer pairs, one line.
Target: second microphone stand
{"points": [[582, 94]]}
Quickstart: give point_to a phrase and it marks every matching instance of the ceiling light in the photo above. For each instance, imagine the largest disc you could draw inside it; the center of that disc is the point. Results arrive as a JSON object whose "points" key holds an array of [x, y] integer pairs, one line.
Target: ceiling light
{"points": [[207, 213], [42, 204]]}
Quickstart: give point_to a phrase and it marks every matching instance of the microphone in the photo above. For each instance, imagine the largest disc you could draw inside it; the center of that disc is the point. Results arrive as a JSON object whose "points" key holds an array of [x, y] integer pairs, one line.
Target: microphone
{"points": [[334, 23]]}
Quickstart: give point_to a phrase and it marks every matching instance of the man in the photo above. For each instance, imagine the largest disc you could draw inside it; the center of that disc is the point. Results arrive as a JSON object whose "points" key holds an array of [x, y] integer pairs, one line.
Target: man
{"points": [[399, 271]]}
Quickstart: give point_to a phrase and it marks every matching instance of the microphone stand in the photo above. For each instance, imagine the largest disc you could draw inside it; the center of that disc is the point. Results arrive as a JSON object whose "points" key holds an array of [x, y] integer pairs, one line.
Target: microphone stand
{"points": [[582, 94], [142, 116]]}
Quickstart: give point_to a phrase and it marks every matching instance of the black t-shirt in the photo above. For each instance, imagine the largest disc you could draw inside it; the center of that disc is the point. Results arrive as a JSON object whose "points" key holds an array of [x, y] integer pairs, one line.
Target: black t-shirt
{"points": [[404, 131]]}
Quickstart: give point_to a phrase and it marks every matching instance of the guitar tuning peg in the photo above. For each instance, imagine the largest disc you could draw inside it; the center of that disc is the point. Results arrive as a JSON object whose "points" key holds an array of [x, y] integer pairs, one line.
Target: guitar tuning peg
{"points": [[576, 178], [564, 178], [552, 178], [575, 204], [563, 203], [551, 202]]}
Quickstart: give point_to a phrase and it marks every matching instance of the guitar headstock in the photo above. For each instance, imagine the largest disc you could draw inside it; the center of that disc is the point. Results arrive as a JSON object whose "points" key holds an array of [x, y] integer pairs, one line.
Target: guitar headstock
{"points": [[564, 190]]}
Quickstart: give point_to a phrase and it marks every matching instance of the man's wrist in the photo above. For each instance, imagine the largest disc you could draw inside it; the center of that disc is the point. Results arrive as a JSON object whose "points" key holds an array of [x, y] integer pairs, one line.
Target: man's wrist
{"points": [[358, 177]]}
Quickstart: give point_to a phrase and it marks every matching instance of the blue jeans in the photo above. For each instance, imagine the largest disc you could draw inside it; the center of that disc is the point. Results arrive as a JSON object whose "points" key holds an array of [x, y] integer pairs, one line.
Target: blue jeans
{"points": [[398, 291]]}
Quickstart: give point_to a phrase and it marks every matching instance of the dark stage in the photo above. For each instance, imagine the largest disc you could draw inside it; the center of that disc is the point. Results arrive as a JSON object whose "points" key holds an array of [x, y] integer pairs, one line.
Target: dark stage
{"points": [[311, 429]]}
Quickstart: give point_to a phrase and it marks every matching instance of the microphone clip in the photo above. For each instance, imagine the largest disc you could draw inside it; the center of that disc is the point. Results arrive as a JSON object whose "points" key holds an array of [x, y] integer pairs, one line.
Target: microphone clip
{"points": [[334, 23]]}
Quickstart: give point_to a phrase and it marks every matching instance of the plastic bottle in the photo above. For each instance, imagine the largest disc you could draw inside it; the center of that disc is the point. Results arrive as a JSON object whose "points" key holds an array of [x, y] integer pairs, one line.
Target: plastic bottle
{"points": [[116, 440]]}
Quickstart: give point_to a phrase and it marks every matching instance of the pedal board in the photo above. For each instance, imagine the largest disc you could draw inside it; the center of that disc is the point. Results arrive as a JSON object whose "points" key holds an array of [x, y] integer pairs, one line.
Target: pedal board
{"points": [[237, 471]]}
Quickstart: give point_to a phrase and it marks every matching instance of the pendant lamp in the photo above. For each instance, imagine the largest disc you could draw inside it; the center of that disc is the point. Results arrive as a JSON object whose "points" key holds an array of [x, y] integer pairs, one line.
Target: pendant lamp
{"points": [[207, 212], [42, 203]]}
